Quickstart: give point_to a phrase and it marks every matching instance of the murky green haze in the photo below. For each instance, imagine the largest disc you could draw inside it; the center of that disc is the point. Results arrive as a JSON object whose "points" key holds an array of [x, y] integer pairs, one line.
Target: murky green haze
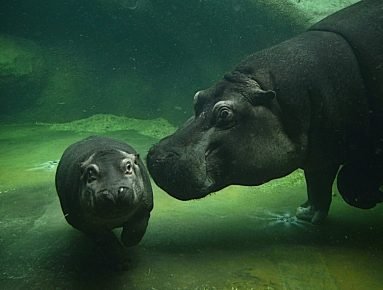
{"points": [[239, 238], [139, 63]]}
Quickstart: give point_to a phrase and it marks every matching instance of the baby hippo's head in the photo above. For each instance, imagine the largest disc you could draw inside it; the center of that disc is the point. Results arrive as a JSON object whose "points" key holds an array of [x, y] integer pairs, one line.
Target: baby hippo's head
{"points": [[111, 183]]}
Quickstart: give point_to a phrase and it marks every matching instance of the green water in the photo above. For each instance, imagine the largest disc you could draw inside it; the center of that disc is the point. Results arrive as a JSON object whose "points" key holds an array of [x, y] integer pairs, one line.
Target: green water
{"points": [[129, 69], [235, 239]]}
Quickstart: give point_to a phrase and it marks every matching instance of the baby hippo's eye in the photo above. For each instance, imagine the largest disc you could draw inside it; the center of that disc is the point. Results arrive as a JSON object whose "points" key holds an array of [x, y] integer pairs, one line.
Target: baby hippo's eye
{"points": [[137, 157], [91, 175], [128, 168]]}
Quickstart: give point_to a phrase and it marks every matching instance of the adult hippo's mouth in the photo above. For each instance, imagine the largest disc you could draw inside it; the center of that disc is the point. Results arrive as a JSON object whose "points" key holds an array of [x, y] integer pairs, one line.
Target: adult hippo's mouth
{"points": [[182, 178], [192, 172]]}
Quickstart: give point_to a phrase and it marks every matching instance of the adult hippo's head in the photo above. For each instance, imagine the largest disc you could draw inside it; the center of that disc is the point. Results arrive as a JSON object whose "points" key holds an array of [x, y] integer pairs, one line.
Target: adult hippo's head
{"points": [[236, 136]]}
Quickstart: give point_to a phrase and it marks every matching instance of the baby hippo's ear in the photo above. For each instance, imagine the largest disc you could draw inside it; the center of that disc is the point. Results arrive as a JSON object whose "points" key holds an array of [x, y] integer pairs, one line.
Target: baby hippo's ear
{"points": [[86, 163], [261, 97], [136, 158]]}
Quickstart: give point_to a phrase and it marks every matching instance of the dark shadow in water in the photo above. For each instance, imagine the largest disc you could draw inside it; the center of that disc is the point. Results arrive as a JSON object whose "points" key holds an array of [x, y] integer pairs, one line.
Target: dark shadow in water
{"points": [[38, 247], [83, 265]]}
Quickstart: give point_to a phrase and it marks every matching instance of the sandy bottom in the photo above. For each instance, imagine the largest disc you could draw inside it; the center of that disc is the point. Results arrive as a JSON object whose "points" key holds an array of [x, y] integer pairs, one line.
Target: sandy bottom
{"points": [[239, 238]]}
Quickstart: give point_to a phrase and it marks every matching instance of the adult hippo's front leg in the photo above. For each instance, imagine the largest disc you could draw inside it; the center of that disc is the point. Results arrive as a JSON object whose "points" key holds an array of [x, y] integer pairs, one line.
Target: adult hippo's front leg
{"points": [[319, 194]]}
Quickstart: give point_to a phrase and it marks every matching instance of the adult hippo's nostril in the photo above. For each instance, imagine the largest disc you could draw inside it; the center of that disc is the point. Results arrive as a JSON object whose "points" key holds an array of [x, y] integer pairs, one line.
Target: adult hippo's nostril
{"points": [[158, 158], [169, 155]]}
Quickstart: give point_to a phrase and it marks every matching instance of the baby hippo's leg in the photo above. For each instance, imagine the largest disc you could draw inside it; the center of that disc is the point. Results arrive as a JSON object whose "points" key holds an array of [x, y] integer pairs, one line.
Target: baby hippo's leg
{"points": [[135, 228], [111, 251]]}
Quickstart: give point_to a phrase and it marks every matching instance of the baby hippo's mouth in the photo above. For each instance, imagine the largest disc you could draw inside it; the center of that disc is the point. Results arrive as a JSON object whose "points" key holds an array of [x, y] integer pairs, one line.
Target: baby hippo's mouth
{"points": [[114, 202]]}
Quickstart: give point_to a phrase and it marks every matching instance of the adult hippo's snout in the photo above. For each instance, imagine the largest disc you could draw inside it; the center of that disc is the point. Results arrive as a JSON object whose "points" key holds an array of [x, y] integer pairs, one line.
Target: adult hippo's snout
{"points": [[180, 174]]}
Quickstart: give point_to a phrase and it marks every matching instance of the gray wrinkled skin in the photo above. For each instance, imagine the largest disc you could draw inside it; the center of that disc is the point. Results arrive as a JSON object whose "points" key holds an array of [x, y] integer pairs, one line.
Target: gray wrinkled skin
{"points": [[110, 187], [313, 102], [102, 184]]}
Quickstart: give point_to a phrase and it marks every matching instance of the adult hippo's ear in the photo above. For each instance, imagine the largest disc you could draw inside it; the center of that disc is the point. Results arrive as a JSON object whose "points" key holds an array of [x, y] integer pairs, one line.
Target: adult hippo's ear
{"points": [[199, 100], [251, 89], [260, 97]]}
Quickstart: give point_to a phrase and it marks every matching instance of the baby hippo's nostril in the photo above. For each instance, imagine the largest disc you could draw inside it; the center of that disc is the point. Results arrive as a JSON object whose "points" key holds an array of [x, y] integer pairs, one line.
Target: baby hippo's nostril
{"points": [[126, 195], [122, 190], [107, 196]]}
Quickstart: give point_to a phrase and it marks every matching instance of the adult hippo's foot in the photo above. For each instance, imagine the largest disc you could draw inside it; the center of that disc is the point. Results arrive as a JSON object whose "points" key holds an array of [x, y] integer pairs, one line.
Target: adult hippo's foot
{"points": [[319, 190], [308, 213]]}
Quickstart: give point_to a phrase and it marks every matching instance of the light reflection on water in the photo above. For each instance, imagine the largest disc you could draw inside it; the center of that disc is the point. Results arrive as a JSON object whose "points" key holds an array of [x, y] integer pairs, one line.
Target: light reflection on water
{"points": [[280, 219], [45, 166]]}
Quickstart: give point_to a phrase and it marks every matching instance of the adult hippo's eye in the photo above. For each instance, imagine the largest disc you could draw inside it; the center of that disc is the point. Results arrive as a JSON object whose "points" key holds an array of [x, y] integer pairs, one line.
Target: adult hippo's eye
{"points": [[224, 117], [223, 114]]}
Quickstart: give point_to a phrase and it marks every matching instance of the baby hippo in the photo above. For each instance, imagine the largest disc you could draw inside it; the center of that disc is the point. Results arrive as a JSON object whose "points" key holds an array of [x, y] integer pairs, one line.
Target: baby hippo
{"points": [[102, 184]]}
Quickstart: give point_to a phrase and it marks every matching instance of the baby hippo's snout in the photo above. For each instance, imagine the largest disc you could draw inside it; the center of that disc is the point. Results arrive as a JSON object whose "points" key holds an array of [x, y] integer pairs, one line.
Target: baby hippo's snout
{"points": [[122, 196], [126, 195]]}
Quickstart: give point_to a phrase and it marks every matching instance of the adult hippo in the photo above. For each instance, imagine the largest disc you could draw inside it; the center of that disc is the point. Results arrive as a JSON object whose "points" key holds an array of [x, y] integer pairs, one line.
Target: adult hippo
{"points": [[313, 102], [102, 184]]}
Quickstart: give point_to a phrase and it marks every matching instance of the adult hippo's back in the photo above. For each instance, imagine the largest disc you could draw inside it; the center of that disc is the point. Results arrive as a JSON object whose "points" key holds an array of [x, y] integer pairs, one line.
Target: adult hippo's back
{"points": [[102, 184], [313, 102]]}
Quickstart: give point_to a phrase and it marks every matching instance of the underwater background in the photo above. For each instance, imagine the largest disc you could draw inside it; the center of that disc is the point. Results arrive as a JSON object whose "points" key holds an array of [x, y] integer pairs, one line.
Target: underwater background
{"points": [[128, 69]]}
